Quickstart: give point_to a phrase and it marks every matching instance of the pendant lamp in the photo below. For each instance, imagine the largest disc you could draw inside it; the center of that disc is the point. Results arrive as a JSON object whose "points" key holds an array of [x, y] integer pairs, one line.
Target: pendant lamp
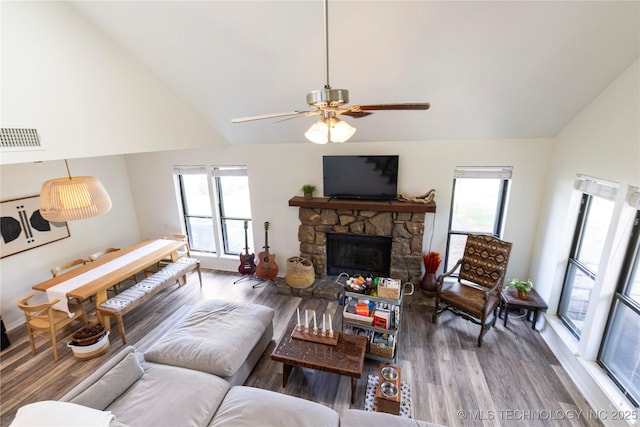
{"points": [[73, 198]]}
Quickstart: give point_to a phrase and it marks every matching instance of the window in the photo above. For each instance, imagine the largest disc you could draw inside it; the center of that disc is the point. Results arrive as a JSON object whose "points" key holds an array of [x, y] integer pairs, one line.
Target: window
{"points": [[232, 189], [596, 208], [215, 205], [193, 183], [619, 353], [478, 205]]}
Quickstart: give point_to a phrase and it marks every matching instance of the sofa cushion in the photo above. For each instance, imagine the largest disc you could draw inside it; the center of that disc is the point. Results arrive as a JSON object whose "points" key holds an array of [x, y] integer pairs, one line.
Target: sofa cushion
{"points": [[53, 413], [104, 391], [216, 337], [358, 418], [170, 396], [250, 407]]}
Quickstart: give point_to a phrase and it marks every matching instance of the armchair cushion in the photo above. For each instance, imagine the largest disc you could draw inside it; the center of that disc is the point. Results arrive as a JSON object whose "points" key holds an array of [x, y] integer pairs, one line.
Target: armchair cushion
{"points": [[469, 299], [484, 261]]}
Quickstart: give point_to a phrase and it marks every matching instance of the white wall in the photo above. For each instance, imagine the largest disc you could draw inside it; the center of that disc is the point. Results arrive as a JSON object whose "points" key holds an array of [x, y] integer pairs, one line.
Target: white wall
{"points": [[276, 173], [83, 93], [116, 228], [603, 141]]}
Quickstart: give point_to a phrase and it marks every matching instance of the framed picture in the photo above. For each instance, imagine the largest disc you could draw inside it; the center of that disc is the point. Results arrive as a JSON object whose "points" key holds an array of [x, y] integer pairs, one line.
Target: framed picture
{"points": [[23, 228]]}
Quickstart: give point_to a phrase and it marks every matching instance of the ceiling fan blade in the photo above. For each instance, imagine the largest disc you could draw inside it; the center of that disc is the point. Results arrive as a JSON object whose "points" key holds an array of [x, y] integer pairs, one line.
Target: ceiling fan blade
{"points": [[358, 111], [355, 114], [301, 114], [402, 106], [269, 116]]}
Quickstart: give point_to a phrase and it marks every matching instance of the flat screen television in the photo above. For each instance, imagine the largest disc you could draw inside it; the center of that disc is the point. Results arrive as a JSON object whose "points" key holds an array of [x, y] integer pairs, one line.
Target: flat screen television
{"points": [[360, 177]]}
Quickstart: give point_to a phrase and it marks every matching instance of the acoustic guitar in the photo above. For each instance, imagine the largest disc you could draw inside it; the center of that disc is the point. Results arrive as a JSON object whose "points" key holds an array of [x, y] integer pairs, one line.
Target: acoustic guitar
{"points": [[267, 268], [247, 260]]}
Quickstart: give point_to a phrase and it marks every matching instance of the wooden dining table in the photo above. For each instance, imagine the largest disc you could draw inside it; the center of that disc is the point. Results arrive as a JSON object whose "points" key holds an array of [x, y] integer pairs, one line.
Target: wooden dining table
{"points": [[94, 278]]}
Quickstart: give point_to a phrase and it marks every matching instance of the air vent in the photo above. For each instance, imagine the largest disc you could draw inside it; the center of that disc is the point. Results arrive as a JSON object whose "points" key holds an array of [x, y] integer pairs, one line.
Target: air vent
{"points": [[13, 139]]}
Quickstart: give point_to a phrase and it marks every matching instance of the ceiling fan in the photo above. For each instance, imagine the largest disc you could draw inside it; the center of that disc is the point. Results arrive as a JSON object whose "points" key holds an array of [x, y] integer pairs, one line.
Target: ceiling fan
{"points": [[329, 103]]}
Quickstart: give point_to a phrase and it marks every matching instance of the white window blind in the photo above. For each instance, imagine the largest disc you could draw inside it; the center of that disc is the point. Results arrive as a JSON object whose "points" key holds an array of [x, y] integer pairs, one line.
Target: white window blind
{"points": [[633, 197], [229, 171], [190, 170], [596, 186], [500, 172]]}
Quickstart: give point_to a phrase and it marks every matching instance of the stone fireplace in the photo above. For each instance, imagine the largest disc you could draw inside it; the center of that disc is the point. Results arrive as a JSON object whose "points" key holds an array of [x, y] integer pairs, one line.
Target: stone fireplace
{"points": [[401, 223]]}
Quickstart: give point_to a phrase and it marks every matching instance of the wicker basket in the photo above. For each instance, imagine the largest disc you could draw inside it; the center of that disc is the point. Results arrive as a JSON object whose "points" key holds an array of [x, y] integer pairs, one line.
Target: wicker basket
{"points": [[300, 273], [388, 293], [382, 350]]}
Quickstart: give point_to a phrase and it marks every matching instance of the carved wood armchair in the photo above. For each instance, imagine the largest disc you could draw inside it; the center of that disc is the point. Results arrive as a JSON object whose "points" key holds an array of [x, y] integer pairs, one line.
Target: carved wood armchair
{"points": [[475, 295]]}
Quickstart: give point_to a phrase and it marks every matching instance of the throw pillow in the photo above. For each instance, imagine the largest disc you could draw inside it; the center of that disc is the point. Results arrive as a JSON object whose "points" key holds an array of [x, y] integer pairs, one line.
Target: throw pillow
{"points": [[115, 382]]}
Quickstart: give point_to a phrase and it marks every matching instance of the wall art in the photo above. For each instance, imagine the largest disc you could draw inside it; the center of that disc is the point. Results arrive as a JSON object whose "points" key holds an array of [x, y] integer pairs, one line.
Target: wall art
{"points": [[23, 228]]}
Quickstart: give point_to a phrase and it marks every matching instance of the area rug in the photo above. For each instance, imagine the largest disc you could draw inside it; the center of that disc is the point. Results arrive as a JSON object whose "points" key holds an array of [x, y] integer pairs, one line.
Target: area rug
{"points": [[405, 400]]}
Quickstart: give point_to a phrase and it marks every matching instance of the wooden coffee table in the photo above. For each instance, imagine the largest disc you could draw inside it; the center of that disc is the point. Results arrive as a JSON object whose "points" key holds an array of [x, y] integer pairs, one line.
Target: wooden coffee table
{"points": [[346, 358]]}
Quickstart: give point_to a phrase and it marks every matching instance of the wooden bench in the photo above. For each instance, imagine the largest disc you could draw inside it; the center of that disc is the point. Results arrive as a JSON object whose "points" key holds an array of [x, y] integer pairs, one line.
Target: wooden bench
{"points": [[131, 298]]}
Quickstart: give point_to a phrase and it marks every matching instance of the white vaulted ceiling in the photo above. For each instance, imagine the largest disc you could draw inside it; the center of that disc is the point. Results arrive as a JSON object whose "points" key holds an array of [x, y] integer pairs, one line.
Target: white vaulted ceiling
{"points": [[489, 69]]}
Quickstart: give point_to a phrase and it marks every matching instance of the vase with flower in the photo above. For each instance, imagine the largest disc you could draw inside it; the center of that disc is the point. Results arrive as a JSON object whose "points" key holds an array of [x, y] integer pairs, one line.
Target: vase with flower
{"points": [[429, 283]]}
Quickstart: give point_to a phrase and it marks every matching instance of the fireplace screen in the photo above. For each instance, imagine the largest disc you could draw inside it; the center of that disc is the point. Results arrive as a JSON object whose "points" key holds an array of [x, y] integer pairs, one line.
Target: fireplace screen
{"points": [[357, 254]]}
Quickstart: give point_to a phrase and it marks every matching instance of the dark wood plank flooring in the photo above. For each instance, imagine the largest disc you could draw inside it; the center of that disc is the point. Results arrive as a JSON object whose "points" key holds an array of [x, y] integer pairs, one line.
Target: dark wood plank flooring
{"points": [[514, 379]]}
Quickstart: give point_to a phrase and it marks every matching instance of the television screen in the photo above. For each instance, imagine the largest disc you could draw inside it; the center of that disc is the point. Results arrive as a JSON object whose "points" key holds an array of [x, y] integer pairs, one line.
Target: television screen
{"points": [[360, 177]]}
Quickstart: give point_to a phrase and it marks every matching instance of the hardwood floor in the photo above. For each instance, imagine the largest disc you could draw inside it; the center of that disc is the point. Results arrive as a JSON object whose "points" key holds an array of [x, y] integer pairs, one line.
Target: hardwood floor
{"points": [[514, 379]]}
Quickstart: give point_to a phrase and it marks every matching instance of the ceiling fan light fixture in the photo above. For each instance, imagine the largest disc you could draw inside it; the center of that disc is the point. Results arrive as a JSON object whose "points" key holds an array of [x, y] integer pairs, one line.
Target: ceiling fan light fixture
{"points": [[330, 129], [73, 198], [317, 133]]}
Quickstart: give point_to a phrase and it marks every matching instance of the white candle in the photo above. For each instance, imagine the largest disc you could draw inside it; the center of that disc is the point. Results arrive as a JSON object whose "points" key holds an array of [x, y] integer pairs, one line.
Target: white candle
{"points": [[298, 313], [306, 319], [330, 328], [323, 323], [315, 325]]}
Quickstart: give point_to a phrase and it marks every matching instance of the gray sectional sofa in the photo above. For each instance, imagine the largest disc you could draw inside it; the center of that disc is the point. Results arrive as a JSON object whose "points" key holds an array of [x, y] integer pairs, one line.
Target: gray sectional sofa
{"points": [[192, 377]]}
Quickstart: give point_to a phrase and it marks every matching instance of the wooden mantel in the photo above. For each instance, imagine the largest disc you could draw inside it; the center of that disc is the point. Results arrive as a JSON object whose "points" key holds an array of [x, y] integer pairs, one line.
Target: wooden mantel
{"points": [[362, 205]]}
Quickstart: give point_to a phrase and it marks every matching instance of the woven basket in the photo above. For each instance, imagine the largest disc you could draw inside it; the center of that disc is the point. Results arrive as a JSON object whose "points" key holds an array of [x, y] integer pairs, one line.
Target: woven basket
{"points": [[382, 350], [300, 273]]}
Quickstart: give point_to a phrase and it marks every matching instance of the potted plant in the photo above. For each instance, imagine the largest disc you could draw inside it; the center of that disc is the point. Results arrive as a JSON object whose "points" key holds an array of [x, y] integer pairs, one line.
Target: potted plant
{"points": [[308, 190], [522, 287]]}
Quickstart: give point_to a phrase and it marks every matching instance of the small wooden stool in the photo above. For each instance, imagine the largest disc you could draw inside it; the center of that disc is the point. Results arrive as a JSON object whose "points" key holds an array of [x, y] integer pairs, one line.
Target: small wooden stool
{"points": [[388, 391]]}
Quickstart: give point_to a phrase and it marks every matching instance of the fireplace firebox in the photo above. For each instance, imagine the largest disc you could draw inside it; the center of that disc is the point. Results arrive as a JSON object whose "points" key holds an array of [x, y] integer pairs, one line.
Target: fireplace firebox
{"points": [[357, 254]]}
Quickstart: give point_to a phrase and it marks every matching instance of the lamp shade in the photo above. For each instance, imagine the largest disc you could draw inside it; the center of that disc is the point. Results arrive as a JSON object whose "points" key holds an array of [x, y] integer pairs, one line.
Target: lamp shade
{"points": [[329, 129], [317, 133], [70, 199]]}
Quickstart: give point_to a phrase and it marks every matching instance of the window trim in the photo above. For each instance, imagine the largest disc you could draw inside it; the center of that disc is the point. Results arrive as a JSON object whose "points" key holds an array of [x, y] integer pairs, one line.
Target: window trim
{"points": [[630, 267], [178, 172], [572, 261], [213, 174], [503, 173], [217, 172]]}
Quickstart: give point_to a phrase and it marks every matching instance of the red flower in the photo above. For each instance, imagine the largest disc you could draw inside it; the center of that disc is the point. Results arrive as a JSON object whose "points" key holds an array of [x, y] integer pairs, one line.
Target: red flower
{"points": [[431, 262]]}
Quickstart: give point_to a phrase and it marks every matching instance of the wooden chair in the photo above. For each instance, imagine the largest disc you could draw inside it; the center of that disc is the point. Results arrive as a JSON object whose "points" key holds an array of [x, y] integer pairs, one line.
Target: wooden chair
{"points": [[96, 255], [475, 295], [44, 320], [71, 264]]}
